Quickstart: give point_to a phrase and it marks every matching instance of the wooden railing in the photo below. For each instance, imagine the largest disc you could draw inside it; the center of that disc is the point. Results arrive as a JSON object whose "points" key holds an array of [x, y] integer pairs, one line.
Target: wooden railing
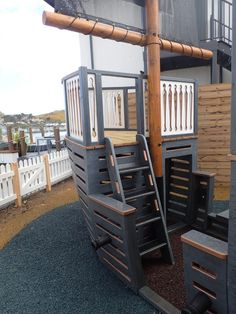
{"points": [[177, 108], [113, 109], [74, 117], [91, 109]]}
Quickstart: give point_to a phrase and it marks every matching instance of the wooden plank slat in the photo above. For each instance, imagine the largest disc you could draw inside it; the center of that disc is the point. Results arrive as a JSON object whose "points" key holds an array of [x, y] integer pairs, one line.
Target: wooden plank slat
{"points": [[214, 121]]}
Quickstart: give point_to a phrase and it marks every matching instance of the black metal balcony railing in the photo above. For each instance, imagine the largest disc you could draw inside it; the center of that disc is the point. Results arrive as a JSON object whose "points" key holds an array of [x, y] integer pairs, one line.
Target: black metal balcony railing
{"points": [[221, 20]]}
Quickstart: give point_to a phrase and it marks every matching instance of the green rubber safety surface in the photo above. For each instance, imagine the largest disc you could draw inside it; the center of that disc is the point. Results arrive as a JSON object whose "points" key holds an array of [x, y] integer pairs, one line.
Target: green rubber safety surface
{"points": [[51, 267]]}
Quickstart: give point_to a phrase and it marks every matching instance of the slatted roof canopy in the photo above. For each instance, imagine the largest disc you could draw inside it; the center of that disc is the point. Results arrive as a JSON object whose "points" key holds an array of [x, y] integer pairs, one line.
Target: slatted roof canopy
{"points": [[178, 20]]}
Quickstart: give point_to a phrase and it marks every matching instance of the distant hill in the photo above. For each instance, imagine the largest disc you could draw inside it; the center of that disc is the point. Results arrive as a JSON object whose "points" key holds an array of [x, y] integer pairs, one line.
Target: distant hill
{"points": [[55, 116], [23, 120]]}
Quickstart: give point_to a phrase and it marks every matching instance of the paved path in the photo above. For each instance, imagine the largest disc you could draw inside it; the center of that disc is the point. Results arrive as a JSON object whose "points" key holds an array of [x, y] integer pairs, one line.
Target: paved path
{"points": [[50, 267]]}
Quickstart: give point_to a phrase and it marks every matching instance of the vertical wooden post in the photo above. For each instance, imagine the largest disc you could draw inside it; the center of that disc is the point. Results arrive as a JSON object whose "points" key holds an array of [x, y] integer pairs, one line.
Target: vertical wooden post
{"points": [[22, 143], [154, 105], [10, 139], [31, 136], [42, 131], [57, 138], [47, 171], [16, 183]]}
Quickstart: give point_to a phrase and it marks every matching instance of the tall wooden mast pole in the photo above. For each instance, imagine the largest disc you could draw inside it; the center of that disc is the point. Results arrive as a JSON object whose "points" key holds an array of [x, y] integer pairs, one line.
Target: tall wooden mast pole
{"points": [[154, 69]]}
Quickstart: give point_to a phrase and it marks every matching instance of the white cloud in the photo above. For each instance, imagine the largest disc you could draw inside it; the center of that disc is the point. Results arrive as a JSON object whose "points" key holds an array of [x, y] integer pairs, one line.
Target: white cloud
{"points": [[33, 58]]}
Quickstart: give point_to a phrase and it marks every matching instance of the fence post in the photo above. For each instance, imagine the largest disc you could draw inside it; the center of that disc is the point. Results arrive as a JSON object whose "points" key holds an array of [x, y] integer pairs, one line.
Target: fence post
{"points": [[42, 131], [47, 172], [31, 135], [57, 138], [23, 148], [16, 183], [10, 139]]}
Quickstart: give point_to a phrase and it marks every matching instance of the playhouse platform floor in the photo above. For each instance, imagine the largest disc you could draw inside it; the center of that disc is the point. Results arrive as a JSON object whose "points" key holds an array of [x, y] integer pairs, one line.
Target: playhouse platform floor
{"points": [[121, 137]]}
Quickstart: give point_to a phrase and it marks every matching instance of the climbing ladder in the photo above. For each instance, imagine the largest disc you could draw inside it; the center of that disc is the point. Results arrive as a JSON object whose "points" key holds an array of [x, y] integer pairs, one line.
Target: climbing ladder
{"points": [[133, 182]]}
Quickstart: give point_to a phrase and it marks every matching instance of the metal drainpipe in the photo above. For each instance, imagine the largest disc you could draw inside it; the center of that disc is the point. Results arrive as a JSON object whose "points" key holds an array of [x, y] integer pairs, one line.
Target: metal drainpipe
{"points": [[91, 51]]}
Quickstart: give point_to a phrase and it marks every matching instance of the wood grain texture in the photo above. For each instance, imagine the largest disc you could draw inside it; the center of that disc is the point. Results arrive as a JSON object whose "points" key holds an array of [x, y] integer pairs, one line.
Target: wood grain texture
{"points": [[206, 243], [154, 96], [214, 121]]}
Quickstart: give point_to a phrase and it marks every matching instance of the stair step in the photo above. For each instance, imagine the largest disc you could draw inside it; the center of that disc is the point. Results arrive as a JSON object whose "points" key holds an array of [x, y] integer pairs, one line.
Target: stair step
{"points": [[175, 227], [150, 247], [133, 169], [223, 216], [144, 220], [138, 194]]}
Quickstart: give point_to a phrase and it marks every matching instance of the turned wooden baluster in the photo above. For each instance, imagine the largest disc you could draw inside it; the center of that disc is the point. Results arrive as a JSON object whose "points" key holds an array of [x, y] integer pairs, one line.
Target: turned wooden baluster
{"points": [[191, 107], [76, 109], [79, 109], [75, 118], [170, 106], [119, 108], [186, 106], [93, 117], [181, 107], [175, 106], [164, 105]]}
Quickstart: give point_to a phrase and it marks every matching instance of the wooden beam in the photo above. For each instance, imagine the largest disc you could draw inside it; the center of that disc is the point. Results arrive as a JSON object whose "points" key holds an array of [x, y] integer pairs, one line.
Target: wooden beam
{"points": [[186, 50], [103, 30], [93, 28], [154, 78]]}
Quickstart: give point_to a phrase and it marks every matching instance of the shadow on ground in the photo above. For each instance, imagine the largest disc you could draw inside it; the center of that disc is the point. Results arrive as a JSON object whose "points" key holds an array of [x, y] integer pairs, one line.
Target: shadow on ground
{"points": [[50, 267]]}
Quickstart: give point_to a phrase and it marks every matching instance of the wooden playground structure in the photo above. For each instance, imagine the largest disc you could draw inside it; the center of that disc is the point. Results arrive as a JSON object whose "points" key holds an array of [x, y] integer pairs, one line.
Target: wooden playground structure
{"points": [[133, 151]]}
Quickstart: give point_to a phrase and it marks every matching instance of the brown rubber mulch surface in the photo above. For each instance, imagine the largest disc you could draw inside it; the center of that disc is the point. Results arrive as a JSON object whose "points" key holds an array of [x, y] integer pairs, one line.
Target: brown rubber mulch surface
{"points": [[13, 219], [167, 280]]}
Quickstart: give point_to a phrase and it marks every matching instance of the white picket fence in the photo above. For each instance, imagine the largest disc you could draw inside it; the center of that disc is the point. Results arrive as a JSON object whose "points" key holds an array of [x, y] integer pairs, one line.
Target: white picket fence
{"points": [[7, 194], [60, 167], [31, 175]]}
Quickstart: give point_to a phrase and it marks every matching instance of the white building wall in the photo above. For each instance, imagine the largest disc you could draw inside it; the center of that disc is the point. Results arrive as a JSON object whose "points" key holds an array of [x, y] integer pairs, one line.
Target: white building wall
{"points": [[120, 57], [227, 76], [110, 55], [201, 74], [85, 53]]}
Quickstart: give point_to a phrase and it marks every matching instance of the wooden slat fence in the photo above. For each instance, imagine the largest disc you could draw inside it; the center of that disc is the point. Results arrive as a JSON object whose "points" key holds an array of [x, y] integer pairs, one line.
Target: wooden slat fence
{"points": [[214, 119]]}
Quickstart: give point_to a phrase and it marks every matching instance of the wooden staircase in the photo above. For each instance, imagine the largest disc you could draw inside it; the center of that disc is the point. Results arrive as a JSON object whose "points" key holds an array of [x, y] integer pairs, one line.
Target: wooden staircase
{"points": [[133, 182]]}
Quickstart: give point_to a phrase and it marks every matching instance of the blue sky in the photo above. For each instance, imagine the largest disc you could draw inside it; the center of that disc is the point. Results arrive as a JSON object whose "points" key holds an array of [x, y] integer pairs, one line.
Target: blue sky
{"points": [[33, 58]]}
